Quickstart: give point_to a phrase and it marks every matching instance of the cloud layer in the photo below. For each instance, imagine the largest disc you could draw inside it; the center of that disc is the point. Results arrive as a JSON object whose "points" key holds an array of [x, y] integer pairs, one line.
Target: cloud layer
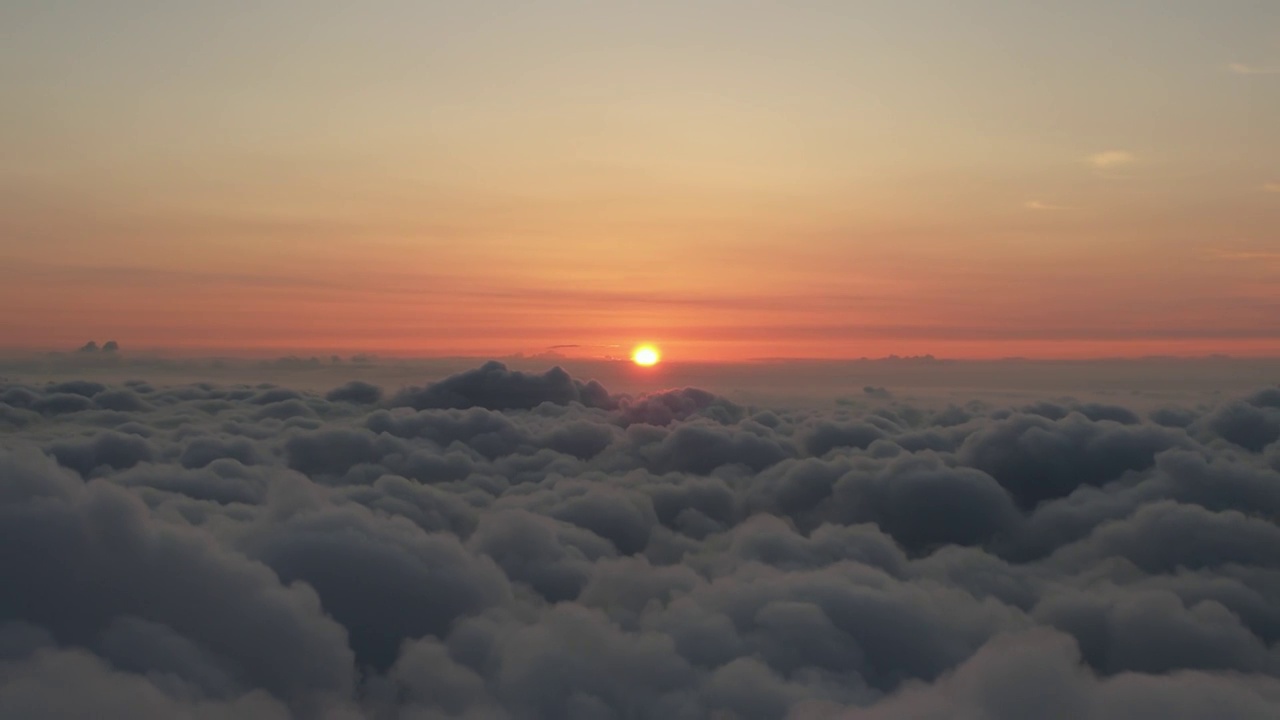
{"points": [[529, 545]]}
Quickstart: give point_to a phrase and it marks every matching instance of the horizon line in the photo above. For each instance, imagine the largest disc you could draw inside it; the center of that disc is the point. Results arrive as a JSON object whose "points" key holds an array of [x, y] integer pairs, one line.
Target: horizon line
{"points": [[328, 358]]}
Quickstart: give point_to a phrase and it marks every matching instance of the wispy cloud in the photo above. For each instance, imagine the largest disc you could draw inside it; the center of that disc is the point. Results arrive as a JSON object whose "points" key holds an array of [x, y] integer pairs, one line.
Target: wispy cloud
{"points": [[1243, 69], [1246, 250], [1271, 187], [1112, 159], [1246, 255], [1038, 205]]}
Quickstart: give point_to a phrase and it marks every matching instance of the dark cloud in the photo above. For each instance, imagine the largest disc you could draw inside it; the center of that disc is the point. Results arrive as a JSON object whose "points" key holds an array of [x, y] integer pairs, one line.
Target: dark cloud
{"points": [[1252, 425], [1037, 674], [528, 546], [77, 387], [700, 448], [107, 451], [827, 436], [493, 387], [384, 579], [664, 408], [121, 400], [923, 503], [78, 557], [62, 403], [1036, 458], [334, 451], [360, 393]]}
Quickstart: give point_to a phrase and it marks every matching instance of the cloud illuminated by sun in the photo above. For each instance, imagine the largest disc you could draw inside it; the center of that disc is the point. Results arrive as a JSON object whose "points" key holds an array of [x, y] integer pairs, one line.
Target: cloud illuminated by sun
{"points": [[646, 355], [1111, 159]]}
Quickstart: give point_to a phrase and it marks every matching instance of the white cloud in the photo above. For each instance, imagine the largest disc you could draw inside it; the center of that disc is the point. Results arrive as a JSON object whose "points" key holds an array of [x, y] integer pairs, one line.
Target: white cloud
{"points": [[1112, 158]]}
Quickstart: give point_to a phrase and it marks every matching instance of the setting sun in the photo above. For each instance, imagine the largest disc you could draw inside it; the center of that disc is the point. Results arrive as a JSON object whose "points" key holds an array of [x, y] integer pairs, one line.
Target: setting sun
{"points": [[646, 355]]}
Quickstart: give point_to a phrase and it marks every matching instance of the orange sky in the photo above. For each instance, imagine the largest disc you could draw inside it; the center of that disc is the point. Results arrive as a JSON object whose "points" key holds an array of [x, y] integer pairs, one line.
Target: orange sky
{"points": [[726, 180]]}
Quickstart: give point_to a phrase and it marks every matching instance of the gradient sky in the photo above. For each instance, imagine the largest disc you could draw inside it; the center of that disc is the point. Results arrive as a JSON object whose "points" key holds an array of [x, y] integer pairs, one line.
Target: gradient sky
{"points": [[817, 178]]}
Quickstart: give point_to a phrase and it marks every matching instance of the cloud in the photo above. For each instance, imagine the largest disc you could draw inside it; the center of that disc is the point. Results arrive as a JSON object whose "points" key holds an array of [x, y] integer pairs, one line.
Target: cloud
{"points": [[1271, 187], [1111, 159], [1037, 674], [1244, 251], [360, 393], [1038, 205], [1244, 69], [494, 387], [502, 544]]}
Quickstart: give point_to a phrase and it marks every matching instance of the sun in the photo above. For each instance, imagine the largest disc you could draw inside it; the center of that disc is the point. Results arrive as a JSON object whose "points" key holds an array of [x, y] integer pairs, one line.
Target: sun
{"points": [[646, 356]]}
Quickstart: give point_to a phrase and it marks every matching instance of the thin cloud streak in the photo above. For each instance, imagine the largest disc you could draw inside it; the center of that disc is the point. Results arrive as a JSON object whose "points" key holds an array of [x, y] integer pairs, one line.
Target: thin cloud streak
{"points": [[1112, 158], [1243, 69], [1038, 205]]}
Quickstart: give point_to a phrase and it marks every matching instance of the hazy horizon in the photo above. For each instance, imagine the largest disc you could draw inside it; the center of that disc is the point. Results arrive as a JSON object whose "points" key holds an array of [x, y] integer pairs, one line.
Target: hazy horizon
{"points": [[792, 382]]}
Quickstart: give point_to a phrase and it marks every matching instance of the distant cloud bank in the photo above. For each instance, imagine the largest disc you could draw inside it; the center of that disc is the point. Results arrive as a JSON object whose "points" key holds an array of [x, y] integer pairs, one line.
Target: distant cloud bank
{"points": [[503, 544]]}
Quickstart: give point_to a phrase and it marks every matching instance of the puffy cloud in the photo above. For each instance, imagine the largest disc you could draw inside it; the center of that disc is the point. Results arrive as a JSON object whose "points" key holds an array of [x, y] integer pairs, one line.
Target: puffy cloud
{"points": [[65, 684], [1037, 674], [502, 544], [493, 387], [107, 451], [360, 393], [664, 408], [78, 557], [827, 436], [384, 579], [1038, 459], [923, 503], [1253, 424]]}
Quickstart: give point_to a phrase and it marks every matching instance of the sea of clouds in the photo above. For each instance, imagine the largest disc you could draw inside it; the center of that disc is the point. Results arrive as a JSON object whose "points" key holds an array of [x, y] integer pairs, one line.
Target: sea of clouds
{"points": [[503, 544]]}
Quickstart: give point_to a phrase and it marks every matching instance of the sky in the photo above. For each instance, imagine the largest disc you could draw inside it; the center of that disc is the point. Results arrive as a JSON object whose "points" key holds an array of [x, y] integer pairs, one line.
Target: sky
{"points": [[728, 180]]}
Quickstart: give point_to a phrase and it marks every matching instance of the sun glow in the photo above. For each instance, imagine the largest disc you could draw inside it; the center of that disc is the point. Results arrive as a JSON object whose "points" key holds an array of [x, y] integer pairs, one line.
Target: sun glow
{"points": [[646, 356]]}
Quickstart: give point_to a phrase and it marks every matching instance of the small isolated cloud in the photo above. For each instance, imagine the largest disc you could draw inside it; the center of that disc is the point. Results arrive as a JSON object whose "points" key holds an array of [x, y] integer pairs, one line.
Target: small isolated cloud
{"points": [[1243, 69], [1038, 205], [1112, 159], [1271, 187]]}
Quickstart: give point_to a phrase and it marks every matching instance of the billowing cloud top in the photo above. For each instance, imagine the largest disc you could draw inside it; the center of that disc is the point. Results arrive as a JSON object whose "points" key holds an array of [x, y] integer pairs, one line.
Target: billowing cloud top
{"points": [[512, 545]]}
